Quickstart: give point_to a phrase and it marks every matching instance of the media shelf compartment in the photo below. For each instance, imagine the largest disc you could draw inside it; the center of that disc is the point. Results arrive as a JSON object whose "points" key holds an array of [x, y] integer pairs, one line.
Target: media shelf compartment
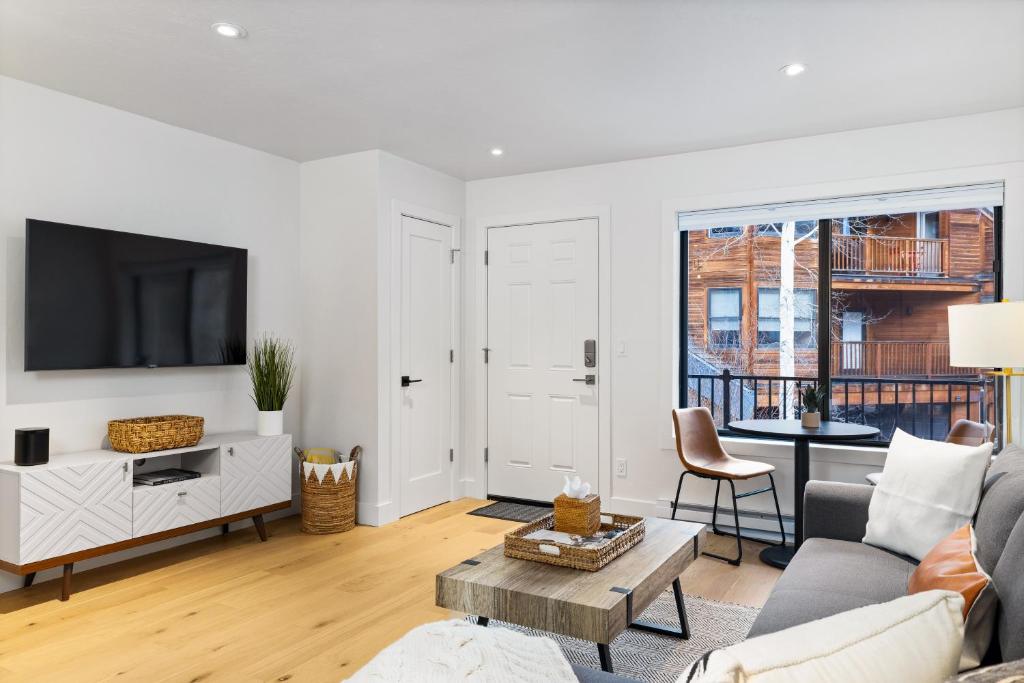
{"points": [[206, 462]]}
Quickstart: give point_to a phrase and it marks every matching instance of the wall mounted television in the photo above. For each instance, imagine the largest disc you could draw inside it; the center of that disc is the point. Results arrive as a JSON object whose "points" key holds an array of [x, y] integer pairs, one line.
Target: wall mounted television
{"points": [[107, 299]]}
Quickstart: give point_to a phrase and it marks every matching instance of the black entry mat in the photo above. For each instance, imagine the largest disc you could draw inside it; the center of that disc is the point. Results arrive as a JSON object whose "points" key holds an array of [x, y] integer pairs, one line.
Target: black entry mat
{"points": [[513, 512]]}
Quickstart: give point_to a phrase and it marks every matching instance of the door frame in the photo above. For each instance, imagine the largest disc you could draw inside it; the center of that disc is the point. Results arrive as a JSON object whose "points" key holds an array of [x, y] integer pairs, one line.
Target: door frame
{"points": [[474, 474], [390, 361]]}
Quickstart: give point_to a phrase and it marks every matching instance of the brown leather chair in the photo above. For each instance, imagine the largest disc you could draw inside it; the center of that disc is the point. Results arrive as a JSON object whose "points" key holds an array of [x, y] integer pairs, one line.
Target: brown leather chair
{"points": [[963, 432], [701, 453]]}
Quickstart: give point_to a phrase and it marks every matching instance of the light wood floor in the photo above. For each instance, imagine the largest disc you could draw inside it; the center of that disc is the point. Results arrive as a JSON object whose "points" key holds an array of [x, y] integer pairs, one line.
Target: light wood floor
{"points": [[297, 608]]}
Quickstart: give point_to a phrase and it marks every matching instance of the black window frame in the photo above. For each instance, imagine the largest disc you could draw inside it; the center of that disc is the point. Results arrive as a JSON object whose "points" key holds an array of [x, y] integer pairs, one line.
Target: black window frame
{"points": [[824, 332]]}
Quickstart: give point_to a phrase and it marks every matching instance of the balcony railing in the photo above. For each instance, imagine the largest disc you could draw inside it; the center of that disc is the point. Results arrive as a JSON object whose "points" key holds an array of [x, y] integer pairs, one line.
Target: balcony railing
{"points": [[894, 358], [926, 408], [901, 256]]}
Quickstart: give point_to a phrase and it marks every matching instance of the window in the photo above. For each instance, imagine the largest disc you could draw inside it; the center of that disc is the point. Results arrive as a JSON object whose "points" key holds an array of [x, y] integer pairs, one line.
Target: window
{"points": [[802, 229], [731, 231], [878, 337], [769, 324], [928, 225], [724, 317], [853, 225]]}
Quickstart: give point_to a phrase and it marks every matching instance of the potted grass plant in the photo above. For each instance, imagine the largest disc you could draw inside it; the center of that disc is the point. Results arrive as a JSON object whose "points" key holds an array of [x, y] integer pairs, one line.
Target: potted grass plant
{"points": [[272, 370], [813, 399]]}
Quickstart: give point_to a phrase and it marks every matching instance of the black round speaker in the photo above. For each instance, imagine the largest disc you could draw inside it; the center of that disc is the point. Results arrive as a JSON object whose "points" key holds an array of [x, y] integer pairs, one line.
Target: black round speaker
{"points": [[32, 446]]}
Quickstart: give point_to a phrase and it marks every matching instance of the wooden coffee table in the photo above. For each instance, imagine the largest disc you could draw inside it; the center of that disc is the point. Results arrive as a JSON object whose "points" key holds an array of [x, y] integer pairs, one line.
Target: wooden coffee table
{"points": [[594, 606]]}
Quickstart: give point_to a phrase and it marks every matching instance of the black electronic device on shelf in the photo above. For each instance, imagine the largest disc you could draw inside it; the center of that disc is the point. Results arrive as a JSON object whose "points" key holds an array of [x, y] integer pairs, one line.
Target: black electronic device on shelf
{"points": [[168, 476]]}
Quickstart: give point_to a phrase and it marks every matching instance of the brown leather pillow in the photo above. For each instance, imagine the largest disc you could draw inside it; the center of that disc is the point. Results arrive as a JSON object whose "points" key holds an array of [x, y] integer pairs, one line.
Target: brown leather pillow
{"points": [[953, 566]]}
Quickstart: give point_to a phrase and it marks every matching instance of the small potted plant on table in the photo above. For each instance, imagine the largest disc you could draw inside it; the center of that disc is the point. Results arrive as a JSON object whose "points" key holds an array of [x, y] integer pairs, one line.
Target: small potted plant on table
{"points": [[813, 399], [272, 371]]}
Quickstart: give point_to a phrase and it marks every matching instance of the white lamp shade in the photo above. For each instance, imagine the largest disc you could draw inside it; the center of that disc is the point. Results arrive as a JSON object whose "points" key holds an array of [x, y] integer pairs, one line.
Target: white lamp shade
{"points": [[987, 335]]}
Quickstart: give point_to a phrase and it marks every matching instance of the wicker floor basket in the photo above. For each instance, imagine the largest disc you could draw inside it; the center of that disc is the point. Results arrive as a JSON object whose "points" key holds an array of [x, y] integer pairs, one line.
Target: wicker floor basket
{"points": [[588, 559], [329, 502], [148, 434]]}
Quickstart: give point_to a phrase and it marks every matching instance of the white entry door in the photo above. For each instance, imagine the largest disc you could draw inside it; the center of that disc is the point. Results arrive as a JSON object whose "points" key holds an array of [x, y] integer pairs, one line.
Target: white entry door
{"points": [[426, 365], [542, 327]]}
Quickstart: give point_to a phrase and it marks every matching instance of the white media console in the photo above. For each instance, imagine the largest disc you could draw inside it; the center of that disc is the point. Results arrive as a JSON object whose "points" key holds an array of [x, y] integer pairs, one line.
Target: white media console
{"points": [[82, 505]]}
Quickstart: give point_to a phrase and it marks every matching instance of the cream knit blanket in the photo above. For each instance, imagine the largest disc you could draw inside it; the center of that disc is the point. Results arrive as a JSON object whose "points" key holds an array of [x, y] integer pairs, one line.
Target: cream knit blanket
{"points": [[460, 651]]}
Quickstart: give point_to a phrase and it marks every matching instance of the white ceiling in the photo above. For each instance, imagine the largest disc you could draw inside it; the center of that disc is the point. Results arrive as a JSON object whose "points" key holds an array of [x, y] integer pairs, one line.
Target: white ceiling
{"points": [[556, 83]]}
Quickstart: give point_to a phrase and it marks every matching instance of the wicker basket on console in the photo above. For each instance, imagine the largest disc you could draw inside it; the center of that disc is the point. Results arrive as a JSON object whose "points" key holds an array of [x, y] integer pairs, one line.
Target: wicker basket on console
{"points": [[148, 434]]}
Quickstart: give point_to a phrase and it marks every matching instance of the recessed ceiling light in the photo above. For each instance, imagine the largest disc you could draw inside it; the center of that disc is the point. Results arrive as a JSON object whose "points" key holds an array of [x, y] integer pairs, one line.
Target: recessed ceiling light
{"points": [[794, 69], [223, 28], [497, 151]]}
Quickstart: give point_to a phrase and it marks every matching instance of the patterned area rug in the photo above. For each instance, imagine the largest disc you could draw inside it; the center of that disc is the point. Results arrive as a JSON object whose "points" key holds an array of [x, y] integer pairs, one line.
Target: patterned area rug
{"points": [[660, 659], [513, 512]]}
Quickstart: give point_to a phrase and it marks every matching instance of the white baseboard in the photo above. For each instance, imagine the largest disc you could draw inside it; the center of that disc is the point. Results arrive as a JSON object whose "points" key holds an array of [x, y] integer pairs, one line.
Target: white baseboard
{"points": [[376, 514]]}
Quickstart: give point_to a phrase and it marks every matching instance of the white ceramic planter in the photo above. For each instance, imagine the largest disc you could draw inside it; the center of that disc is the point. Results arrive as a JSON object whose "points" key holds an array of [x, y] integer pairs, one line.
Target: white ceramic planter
{"points": [[810, 420], [270, 423]]}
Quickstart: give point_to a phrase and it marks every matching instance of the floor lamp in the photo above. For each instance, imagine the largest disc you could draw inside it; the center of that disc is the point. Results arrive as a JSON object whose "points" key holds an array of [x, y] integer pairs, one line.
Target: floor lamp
{"points": [[989, 336]]}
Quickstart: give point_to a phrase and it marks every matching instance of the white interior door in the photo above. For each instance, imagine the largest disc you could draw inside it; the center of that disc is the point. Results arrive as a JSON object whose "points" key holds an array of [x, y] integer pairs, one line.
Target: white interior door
{"points": [[426, 364], [542, 308]]}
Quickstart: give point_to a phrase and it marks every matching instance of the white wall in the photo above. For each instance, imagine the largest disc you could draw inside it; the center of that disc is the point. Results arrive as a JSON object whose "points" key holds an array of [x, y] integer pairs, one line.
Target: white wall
{"points": [[349, 262], [640, 195], [69, 160], [339, 307]]}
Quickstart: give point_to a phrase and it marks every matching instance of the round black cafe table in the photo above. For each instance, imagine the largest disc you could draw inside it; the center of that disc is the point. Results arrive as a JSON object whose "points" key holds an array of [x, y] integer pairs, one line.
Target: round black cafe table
{"points": [[780, 555]]}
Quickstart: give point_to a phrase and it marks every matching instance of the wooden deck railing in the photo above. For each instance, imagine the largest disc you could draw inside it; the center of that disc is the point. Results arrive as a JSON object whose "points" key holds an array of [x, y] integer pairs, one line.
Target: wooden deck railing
{"points": [[893, 359], [873, 255]]}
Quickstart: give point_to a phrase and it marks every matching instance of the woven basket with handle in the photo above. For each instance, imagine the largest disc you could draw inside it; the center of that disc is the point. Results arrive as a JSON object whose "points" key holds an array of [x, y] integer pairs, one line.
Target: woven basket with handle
{"points": [[148, 434], [631, 532], [329, 505]]}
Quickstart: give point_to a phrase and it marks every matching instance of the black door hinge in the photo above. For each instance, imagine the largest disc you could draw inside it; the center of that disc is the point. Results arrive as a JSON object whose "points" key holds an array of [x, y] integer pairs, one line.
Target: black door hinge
{"points": [[485, 454], [486, 257], [487, 355], [451, 455], [451, 355]]}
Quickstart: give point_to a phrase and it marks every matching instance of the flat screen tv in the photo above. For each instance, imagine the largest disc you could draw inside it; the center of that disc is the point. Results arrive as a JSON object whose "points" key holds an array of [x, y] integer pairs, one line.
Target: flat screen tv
{"points": [[106, 299]]}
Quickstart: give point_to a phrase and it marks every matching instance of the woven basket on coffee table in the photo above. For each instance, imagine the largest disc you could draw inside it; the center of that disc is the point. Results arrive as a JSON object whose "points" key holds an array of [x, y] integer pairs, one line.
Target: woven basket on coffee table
{"points": [[329, 503]]}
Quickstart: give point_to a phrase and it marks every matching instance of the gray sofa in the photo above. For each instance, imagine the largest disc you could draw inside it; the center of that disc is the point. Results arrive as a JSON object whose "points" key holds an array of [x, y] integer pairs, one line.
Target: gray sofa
{"points": [[834, 572]]}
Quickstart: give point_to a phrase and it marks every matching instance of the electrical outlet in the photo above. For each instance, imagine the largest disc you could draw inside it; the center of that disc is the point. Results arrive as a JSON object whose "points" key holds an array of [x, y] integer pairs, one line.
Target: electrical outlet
{"points": [[620, 467]]}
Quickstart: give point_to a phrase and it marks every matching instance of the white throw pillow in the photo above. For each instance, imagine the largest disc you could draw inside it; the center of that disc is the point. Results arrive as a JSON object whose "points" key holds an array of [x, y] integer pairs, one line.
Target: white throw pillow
{"points": [[929, 489], [914, 639]]}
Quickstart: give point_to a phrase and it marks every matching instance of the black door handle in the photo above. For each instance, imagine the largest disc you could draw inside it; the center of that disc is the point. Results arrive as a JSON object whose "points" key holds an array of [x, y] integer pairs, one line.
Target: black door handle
{"points": [[406, 381]]}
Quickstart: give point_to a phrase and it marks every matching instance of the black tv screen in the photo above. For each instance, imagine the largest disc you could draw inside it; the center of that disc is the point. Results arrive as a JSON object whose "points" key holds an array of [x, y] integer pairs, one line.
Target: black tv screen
{"points": [[106, 299]]}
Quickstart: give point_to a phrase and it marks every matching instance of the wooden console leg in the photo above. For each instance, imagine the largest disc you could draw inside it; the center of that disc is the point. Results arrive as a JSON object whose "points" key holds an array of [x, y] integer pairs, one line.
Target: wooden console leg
{"points": [[29, 578], [65, 587], [261, 528]]}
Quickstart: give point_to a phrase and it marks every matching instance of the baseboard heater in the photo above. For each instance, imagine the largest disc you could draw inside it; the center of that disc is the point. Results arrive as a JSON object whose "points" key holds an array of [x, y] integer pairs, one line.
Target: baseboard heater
{"points": [[754, 524]]}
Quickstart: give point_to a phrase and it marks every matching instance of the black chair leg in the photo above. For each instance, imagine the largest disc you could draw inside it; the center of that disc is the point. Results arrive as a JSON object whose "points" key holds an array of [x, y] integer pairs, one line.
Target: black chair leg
{"points": [[714, 511], [679, 489], [778, 511], [736, 517], [735, 561]]}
